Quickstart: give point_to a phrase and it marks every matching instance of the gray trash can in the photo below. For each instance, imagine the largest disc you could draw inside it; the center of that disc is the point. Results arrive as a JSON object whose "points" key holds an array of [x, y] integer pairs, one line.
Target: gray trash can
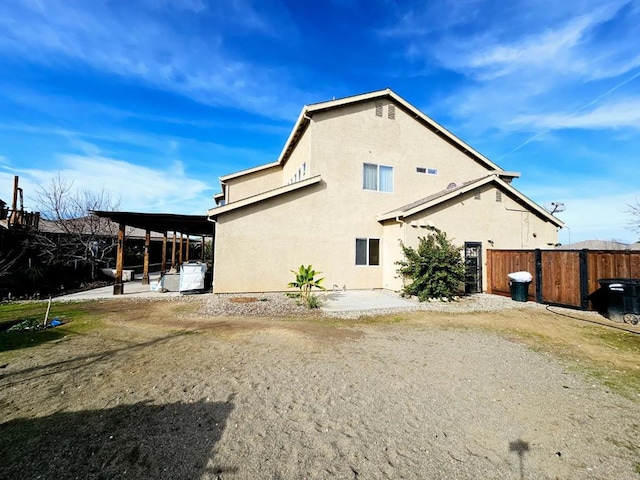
{"points": [[623, 299]]}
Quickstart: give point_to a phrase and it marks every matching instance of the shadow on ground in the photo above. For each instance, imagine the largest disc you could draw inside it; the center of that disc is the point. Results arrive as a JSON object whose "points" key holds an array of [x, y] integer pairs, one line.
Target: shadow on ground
{"points": [[128, 441]]}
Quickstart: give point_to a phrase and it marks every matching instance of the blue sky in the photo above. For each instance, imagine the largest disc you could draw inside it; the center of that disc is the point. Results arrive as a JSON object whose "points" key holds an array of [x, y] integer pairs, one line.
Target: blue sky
{"points": [[155, 99]]}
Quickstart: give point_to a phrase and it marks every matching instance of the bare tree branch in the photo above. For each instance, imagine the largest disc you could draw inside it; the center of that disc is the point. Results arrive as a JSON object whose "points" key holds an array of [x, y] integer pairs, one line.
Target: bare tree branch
{"points": [[634, 213], [70, 233]]}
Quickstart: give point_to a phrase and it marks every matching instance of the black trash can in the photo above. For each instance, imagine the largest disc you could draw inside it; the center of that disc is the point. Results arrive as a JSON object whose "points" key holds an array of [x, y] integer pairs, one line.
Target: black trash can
{"points": [[519, 290], [623, 299]]}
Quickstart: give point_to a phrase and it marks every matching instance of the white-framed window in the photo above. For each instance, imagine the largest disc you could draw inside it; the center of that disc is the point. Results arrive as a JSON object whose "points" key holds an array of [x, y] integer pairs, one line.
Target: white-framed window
{"points": [[428, 171], [368, 251], [377, 177]]}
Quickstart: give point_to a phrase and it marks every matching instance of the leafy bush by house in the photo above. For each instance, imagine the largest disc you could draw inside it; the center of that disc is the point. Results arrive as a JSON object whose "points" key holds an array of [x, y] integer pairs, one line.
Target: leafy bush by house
{"points": [[435, 270]]}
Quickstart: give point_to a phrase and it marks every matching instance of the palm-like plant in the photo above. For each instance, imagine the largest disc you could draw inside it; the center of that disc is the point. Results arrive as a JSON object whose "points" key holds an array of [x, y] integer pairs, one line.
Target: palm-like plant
{"points": [[305, 281]]}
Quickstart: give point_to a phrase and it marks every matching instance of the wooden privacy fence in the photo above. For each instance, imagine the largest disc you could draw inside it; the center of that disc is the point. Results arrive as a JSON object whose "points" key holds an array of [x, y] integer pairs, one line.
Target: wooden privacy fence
{"points": [[561, 277]]}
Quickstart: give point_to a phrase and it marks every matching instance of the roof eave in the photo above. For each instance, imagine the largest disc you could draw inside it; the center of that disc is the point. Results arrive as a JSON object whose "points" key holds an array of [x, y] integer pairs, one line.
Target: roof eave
{"points": [[454, 193], [245, 202]]}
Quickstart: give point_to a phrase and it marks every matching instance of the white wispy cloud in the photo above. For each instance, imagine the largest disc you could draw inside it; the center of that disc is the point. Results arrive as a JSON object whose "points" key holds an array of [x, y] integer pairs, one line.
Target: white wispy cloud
{"points": [[163, 188], [147, 44], [617, 114], [529, 63]]}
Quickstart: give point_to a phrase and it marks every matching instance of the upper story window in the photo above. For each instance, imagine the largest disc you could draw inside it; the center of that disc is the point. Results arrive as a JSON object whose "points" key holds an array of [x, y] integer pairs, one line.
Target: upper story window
{"points": [[428, 171], [377, 177]]}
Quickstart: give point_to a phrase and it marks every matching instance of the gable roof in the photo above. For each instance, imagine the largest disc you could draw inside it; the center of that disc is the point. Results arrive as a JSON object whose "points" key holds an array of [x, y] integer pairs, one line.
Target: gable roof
{"points": [[439, 130], [304, 120], [450, 193]]}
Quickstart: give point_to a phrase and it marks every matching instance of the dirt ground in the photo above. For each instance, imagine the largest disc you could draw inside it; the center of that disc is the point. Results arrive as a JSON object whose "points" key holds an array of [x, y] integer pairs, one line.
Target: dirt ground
{"points": [[160, 391]]}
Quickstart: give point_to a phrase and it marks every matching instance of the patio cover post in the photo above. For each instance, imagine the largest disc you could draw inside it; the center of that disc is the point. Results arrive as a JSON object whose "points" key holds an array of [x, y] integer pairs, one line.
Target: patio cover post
{"points": [[173, 251], [180, 252], [186, 253], [202, 250], [118, 287], [163, 265], [145, 262]]}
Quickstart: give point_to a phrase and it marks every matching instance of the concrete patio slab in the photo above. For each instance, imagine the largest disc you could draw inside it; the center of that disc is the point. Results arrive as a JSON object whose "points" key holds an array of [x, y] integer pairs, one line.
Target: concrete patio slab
{"points": [[133, 289], [353, 300]]}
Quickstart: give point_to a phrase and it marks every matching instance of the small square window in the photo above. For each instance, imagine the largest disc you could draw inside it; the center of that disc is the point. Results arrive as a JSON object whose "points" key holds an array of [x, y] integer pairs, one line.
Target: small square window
{"points": [[432, 171]]}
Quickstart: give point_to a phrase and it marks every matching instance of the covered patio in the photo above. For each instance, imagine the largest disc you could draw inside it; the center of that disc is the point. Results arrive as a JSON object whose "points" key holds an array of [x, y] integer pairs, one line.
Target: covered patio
{"points": [[182, 227]]}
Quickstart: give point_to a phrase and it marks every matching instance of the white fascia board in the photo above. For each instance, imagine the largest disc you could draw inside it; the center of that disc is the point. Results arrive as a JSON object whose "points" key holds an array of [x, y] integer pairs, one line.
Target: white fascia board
{"points": [[213, 212]]}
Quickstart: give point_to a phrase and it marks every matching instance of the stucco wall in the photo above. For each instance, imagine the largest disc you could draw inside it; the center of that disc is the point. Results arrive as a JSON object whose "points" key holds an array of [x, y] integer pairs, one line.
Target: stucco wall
{"points": [[253, 183], [508, 224], [257, 246], [300, 155]]}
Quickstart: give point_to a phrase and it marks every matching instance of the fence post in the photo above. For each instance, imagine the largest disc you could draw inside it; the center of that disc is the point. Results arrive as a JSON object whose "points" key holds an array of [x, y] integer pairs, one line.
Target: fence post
{"points": [[538, 262], [584, 279], [489, 272]]}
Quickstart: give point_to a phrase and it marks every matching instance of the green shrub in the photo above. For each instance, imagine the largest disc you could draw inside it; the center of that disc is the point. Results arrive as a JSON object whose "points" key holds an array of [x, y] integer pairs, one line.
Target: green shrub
{"points": [[313, 301], [305, 281], [435, 270]]}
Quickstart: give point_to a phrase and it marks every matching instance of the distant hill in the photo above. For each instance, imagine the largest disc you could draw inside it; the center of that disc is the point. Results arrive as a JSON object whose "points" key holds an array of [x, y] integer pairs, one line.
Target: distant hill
{"points": [[600, 245]]}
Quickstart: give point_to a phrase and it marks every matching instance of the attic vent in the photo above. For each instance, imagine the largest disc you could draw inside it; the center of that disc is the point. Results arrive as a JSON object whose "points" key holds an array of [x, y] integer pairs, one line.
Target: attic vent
{"points": [[378, 109], [498, 196], [392, 112], [451, 186], [476, 193]]}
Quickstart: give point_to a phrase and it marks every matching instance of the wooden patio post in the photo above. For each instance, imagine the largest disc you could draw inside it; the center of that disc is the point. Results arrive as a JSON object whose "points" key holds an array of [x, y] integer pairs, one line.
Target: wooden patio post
{"points": [[145, 263], [173, 251], [180, 252], [14, 203], [186, 254], [163, 264], [118, 287], [202, 250]]}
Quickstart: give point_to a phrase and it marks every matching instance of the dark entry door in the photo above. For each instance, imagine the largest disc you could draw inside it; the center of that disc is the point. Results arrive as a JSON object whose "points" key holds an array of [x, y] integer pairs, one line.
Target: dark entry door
{"points": [[473, 263]]}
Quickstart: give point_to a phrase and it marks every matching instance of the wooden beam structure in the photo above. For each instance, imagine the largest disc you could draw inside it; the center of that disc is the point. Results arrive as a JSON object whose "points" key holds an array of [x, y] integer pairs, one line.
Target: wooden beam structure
{"points": [[145, 262], [173, 252], [163, 264], [156, 222], [118, 287]]}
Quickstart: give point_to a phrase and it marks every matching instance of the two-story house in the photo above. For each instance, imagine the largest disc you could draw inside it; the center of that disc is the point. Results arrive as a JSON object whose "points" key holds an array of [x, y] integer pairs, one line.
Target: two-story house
{"points": [[356, 176]]}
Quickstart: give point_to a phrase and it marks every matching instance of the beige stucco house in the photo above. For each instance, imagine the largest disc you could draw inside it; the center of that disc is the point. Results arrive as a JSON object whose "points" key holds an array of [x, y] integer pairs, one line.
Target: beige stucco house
{"points": [[357, 176]]}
